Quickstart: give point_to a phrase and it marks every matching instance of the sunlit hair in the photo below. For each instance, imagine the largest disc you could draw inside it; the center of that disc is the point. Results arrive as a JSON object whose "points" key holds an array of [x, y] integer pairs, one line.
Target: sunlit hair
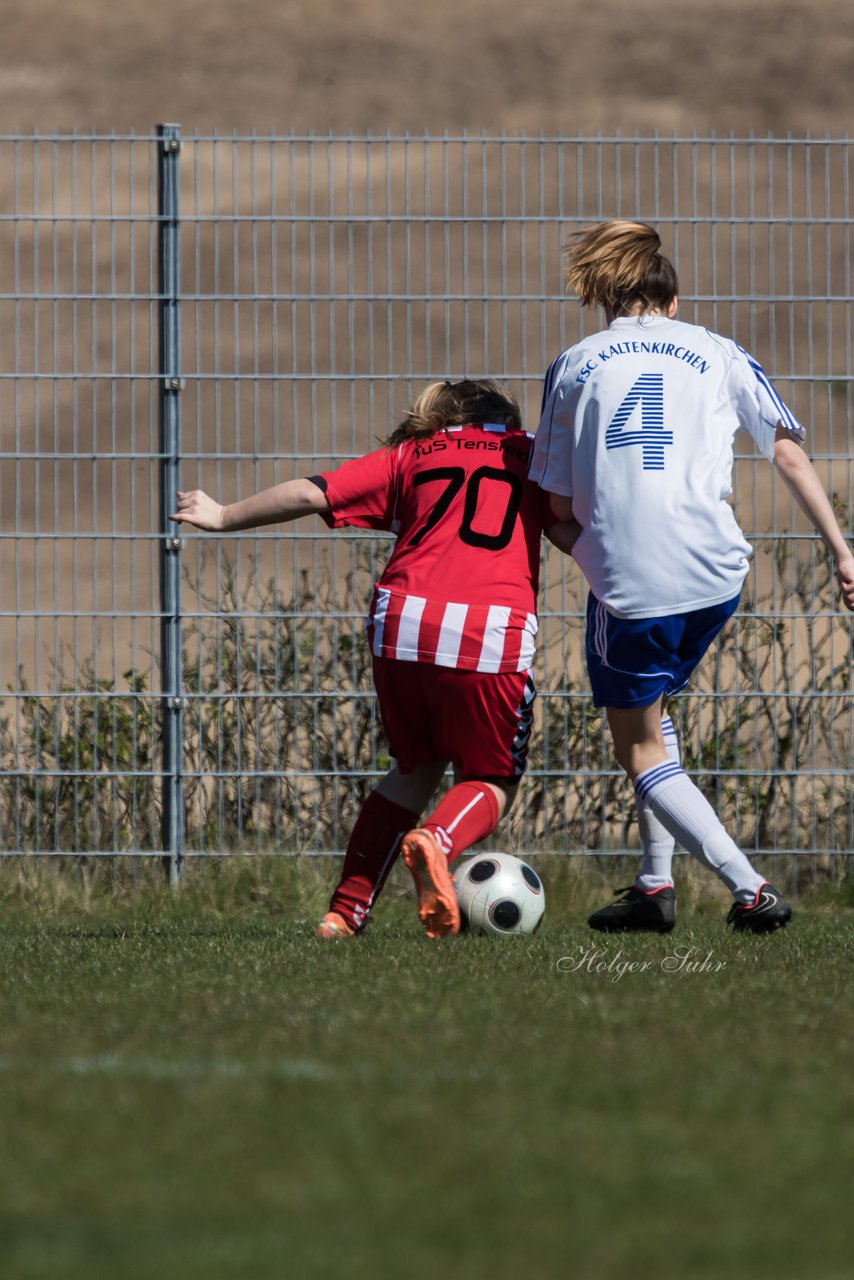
{"points": [[453, 404], [620, 264]]}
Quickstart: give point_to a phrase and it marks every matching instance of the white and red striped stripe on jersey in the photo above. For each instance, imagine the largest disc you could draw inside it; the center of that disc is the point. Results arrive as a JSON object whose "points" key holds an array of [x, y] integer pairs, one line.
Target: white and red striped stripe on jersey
{"points": [[472, 637]]}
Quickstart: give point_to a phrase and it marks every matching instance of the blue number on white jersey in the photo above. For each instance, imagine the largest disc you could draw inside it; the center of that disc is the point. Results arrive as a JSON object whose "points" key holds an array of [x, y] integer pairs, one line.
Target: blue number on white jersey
{"points": [[648, 392]]}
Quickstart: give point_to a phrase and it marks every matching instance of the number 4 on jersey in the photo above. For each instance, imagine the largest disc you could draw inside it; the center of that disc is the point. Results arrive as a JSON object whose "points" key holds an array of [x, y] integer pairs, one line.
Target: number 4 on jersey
{"points": [[648, 392]]}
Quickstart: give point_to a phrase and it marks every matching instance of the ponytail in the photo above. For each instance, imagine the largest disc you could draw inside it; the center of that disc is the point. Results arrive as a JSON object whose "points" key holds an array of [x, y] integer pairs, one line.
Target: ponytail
{"points": [[620, 264]]}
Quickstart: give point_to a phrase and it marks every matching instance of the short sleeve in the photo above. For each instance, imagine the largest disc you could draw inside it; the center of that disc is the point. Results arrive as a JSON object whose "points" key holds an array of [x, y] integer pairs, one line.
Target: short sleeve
{"points": [[361, 492], [759, 407], [551, 456]]}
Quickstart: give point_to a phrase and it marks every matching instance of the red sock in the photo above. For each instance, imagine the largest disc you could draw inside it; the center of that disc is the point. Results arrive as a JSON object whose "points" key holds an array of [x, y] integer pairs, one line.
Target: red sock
{"points": [[468, 813], [371, 853]]}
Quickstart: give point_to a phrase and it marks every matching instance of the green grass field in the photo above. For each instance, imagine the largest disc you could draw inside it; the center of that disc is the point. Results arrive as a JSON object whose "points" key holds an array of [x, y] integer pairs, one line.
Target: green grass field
{"points": [[192, 1086]]}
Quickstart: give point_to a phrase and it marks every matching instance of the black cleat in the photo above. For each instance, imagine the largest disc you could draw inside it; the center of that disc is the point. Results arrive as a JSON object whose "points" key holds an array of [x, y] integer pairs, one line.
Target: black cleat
{"points": [[769, 911], [638, 912]]}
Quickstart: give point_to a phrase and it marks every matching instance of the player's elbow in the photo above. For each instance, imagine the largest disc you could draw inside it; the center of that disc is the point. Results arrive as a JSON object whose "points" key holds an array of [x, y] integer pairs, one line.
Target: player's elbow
{"points": [[564, 535], [560, 506], [790, 459], [310, 495]]}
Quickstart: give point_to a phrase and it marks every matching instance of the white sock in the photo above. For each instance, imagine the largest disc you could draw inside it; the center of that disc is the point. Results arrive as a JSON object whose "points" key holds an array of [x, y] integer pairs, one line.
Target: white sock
{"points": [[656, 869], [687, 815]]}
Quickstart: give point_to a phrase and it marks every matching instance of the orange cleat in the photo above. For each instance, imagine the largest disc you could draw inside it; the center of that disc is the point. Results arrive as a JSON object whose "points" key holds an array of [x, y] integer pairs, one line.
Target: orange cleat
{"points": [[434, 884], [334, 928]]}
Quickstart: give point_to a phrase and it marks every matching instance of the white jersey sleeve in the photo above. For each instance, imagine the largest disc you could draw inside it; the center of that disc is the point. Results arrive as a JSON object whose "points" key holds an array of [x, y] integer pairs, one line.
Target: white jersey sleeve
{"points": [[551, 457], [758, 406]]}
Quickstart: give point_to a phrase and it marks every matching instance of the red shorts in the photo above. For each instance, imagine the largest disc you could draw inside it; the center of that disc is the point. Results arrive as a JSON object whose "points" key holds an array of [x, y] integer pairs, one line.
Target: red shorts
{"points": [[479, 721]]}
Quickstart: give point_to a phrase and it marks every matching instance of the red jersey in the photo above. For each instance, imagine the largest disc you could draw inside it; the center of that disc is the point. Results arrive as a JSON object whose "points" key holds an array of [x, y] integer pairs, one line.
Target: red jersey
{"points": [[460, 587]]}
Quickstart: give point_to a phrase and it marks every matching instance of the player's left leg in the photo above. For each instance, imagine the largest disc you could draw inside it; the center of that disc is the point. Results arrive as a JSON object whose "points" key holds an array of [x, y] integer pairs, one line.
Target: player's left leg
{"points": [[648, 905], [657, 844], [389, 811]]}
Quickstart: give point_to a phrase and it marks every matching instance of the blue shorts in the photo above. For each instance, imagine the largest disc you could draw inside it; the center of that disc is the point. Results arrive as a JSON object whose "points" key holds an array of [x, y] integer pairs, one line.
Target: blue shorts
{"points": [[633, 661]]}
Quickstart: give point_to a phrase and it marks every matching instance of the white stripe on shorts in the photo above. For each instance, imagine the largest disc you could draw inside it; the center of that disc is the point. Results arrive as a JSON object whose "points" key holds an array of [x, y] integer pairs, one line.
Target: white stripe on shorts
{"points": [[600, 633]]}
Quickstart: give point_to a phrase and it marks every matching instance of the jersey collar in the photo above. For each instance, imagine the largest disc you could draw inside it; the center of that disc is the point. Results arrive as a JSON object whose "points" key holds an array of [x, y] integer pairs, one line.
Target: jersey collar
{"points": [[639, 322]]}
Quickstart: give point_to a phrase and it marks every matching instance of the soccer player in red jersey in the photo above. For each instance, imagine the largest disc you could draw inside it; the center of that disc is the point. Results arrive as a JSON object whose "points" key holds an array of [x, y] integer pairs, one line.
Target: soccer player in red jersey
{"points": [[451, 627]]}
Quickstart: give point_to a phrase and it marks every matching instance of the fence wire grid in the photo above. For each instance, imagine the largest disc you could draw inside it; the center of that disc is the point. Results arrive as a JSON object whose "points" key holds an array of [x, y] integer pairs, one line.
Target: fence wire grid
{"points": [[228, 312]]}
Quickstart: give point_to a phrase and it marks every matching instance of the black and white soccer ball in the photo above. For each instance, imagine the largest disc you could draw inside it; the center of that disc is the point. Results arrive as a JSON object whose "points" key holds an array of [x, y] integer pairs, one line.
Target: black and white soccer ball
{"points": [[499, 895]]}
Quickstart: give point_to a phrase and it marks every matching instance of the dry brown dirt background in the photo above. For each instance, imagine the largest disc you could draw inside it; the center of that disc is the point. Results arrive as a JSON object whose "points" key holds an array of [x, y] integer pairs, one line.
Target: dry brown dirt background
{"points": [[672, 67], [679, 65]]}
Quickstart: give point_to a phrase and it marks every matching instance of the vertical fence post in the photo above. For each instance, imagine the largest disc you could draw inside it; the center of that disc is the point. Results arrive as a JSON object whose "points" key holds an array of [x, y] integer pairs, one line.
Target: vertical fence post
{"points": [[171, 384]]}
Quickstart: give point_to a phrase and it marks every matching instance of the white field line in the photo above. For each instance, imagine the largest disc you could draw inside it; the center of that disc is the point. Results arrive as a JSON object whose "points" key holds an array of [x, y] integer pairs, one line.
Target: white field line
{"points": [[177, 1069]]}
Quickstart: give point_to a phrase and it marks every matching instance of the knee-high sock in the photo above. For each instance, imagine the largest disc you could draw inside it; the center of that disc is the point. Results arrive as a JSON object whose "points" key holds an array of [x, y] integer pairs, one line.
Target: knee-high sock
{"points": [[468, 813], [371, 853], [656, 869], [686, 813]]}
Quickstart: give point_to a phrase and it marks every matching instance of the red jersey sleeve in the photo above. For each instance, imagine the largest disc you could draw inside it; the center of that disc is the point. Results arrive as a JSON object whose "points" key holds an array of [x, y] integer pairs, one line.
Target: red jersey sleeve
{"points": [[362, 492]]}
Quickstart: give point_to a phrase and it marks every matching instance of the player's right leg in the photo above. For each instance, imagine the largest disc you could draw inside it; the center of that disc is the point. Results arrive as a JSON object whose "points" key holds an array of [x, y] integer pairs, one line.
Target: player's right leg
{"points": [[469, 812], [438, 909], [483, 722], [686, 813], [634, 664]]}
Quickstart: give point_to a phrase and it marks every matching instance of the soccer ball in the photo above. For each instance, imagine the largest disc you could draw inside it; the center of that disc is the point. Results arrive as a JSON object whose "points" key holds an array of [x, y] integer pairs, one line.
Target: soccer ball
{"points": [[499, 895]]}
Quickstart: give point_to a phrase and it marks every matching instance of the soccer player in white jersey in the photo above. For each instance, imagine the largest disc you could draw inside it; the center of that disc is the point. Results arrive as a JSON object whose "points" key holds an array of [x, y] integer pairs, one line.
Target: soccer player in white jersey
{"points": [[635, 444], [451, 628]]}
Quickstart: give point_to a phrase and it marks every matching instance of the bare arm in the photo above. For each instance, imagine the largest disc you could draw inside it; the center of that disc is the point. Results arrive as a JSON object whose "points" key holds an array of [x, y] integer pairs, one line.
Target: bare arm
{"points": [[283, 502], [566, 531], [564, 535], [806, 488]]}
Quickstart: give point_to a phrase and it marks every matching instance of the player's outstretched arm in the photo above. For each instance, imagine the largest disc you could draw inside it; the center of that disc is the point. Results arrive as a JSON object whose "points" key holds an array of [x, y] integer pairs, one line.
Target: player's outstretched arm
{"points": [[282, 502], [803, 482]]}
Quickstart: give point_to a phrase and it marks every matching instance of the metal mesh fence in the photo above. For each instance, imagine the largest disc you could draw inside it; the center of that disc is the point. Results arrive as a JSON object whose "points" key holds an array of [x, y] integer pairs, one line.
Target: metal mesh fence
{"points": [[323, 281]]}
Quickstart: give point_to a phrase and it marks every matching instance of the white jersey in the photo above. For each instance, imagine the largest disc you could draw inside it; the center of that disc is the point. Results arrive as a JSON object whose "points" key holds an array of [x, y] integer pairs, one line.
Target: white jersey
{"points": [[637, 428]]}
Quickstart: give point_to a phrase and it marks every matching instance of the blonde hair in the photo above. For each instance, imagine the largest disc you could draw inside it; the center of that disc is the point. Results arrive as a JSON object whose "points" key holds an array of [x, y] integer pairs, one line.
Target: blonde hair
{"points": [[619, 264], [453, 404]]}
